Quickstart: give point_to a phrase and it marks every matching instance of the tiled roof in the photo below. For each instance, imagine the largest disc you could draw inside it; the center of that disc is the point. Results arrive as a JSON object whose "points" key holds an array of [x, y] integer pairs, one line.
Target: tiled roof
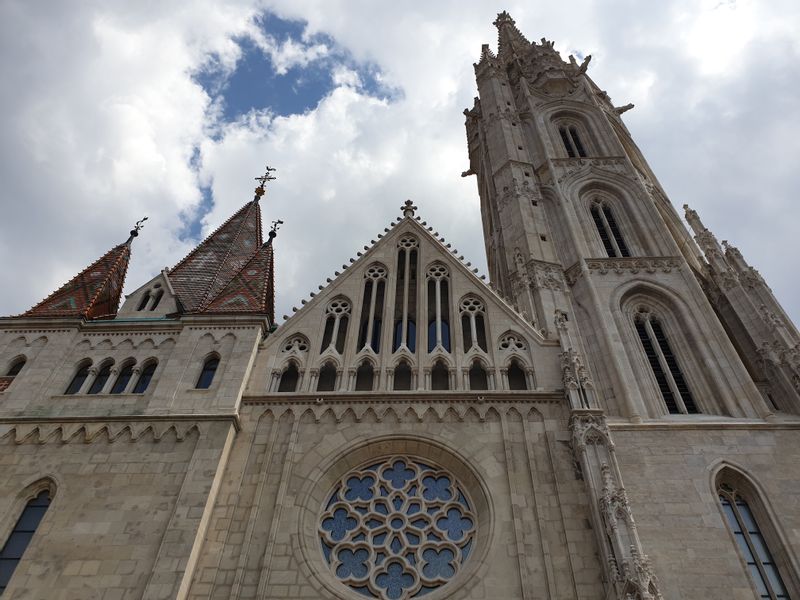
{"points": [[208, 269], [94, 293], [251, 290]]}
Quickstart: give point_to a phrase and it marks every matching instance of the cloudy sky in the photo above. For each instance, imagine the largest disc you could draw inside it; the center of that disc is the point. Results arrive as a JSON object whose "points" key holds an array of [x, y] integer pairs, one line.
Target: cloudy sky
{"points": [[115, 110]]}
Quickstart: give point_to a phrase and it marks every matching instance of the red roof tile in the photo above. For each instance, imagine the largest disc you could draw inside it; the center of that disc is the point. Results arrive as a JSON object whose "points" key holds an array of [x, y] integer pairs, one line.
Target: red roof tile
{"points": [[251, 290]]}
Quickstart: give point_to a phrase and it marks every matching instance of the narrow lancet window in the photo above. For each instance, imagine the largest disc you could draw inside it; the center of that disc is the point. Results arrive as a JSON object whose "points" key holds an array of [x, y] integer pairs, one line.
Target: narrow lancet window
{"points": [[21, 536], [402, 376], [124, 377], [609, 231], [157, 299], [751, 544], [81, 375], [207, 374], [145, 300], [473, 326], [372, 308], [338, 315], [100, 380], [327, 378], [147, 375], [438, 308], [440, 376], [15, 367], [405, 304], [365, 377], [572, 141], [478, 379], [289, 379], [669, 377]]}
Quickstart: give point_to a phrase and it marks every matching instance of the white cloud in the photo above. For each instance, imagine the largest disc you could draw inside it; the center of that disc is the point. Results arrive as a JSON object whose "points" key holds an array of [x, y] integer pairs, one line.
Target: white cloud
{"points": [[101, 117]]}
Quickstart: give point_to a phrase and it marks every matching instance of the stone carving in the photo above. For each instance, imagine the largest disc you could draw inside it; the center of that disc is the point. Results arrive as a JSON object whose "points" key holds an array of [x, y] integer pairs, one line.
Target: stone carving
{"points": [[567, 167]]}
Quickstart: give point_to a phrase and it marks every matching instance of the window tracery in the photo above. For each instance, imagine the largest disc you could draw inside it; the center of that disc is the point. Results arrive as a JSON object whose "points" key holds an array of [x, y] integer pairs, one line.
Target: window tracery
{"points": [[338, 316], [663, 363], [473, 325], [296, 343], [405, 312], [438, 308], [397, 528], [608, 230], [372, 308], [512, 342]]}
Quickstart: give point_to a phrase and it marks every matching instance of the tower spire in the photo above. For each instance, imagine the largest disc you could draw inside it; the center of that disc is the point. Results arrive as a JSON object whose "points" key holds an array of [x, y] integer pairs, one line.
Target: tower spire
{"points": [[509, 38]]}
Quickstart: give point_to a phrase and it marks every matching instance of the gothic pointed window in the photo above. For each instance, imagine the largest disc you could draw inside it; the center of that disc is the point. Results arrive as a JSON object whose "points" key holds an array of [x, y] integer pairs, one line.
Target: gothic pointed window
{"points": [[21, 536], [516, 377], [751, 543], [478, 379], [438, 308], [327, 378], [124, 377], [440, 376], [144, 301], [571, 139], [336, 320], [80, 377], [207, 374], [402, 376], [157, 299], [16, 367], [473, 325], [147, 375], [668, 375], [405, 303], [369, 335], [608, 230], [289, 378], [101, 378], [365, 377]]}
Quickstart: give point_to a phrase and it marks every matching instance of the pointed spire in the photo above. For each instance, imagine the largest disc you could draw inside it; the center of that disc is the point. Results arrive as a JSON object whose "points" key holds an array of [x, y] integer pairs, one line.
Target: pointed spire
{"points": [[207, 269], [252, 289], [94, 293], [509, 39]]}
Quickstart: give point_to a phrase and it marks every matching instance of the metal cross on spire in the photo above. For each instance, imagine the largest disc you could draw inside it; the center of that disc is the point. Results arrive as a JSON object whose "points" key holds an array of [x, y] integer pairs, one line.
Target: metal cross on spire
{"points": [[267, 176]]}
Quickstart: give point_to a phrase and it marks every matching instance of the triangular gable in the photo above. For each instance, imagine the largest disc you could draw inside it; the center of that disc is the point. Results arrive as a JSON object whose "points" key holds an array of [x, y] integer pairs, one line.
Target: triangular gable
{"points": [[92, 294], [251, 290], [207, 269]]}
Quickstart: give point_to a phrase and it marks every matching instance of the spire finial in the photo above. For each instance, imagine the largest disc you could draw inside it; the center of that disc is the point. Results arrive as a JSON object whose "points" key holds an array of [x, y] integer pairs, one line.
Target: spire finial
{"points": [[267, 176], [135, 230], [273, 231], [408, 208], [503, 18]]}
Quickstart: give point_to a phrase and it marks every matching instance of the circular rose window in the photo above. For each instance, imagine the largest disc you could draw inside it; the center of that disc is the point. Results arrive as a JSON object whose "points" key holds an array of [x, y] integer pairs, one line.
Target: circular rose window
{"points": [[398, 527]]}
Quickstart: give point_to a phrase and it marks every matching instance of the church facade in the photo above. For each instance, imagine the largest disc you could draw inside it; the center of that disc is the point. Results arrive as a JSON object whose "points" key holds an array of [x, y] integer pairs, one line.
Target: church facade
{"points": [[615, 415]]}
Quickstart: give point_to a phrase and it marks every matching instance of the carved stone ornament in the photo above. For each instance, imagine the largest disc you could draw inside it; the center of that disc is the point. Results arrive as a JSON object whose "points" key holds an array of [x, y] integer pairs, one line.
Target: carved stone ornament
{"points": [[565, 168], [589, 428]]}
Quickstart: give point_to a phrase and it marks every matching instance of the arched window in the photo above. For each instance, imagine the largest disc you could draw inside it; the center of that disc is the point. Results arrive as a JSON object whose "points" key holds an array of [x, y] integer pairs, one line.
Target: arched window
{"points": [[365, 377], [327, 378], [21, 536], [572, 140], [438, 308], [369, 335], [402, 376], [478, 380], [124, 377], [669, 377], [473, 327], [157, 299], [440, 376], [405, 296], [751, 543], [207, 374], [289, 379], [145, 299], [147, 375], [516, 377], [81, 375], [102, 377], [338, 315], [16, 367], [608, 230]]}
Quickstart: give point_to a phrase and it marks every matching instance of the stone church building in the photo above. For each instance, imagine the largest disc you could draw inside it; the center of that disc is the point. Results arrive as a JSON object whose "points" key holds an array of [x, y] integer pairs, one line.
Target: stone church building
{"points": [[615, 415]]}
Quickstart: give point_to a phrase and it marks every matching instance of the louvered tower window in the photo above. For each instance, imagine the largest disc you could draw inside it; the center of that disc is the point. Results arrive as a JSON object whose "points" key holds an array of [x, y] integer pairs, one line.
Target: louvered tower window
{"points": [[751, 544], [669, 377], [572, 141], [609, 231]]}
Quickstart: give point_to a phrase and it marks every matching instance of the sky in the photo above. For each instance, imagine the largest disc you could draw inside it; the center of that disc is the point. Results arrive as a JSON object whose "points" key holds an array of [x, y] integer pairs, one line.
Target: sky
{"points": [[111, 111]]}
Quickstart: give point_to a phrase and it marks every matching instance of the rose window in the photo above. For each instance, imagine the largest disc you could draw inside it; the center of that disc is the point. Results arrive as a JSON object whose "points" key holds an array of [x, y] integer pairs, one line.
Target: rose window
{"points": [[397, 528]]}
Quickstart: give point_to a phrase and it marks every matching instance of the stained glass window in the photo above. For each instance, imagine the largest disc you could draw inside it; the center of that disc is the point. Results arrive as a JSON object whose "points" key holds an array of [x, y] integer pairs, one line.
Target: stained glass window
{"points": [[397, 528]]}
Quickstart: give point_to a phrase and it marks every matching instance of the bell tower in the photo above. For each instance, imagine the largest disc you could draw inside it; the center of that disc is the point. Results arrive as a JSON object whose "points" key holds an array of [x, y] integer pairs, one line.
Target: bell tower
{"points": [[576, 224]]}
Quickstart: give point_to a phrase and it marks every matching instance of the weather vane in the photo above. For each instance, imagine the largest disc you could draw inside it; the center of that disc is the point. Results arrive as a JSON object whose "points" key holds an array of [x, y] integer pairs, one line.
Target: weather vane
{"points": [[267, 176], [136, 228]]}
